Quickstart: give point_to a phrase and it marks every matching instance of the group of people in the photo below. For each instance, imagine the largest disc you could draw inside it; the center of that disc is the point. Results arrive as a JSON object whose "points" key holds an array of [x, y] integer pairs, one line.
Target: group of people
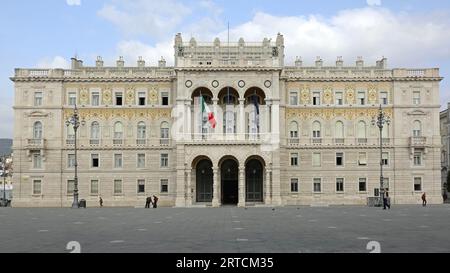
{"points": [[387, 200], [149, 202]]}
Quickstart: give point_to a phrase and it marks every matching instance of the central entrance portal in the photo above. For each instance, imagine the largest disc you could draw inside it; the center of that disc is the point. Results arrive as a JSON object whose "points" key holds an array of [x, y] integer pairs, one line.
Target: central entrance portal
{"points": [[229, 177]]}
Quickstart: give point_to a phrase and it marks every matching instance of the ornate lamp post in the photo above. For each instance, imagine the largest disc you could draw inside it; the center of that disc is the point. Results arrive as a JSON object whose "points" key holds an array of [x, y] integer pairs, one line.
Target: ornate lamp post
{"points": [[380, 120], [74, 121]]}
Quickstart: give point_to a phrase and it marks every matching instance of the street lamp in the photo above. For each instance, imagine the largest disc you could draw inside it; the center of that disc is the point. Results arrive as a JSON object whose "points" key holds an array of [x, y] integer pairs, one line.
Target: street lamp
{"points": [[74, 121], [380, 120]]}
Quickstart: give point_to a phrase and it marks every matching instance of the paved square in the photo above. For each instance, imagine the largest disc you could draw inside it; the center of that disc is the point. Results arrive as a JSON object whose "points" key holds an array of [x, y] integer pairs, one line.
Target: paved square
{"points": [[227, 229]]}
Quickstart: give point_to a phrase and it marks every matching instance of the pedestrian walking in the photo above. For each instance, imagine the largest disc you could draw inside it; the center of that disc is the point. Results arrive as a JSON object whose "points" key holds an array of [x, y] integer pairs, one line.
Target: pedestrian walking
{"points": [[424, 200], [148, 201], [445, 196], [155, 201], [101, 201], [386, 201]]}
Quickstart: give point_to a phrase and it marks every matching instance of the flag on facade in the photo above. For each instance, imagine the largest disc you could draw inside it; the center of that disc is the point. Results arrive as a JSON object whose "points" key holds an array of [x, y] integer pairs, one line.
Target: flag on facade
{"points": [[205, 109], [255, 102]]}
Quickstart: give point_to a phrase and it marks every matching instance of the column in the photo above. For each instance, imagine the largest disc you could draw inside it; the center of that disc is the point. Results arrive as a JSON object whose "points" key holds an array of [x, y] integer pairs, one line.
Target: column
{"points": [[188, 130], [216, 183], [241, 122], [217, 116], [267, 193], [241, 194], [189, 187]]}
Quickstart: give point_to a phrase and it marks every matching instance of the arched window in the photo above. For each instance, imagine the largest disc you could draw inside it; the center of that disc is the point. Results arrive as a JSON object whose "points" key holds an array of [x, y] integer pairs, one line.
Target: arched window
{"points": [[339, 130], [118, 130], [95, 130], [37, 130], [316, 129], [165, 130], [70, 132], [385, 132], [141, 130], [417, 128], [293, 129], [361, 130], [229, 120]]}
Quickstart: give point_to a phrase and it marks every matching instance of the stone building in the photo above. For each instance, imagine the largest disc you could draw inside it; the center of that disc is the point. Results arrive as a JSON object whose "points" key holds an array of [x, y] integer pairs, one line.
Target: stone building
{"points": [[445, 134], [284, 135]]}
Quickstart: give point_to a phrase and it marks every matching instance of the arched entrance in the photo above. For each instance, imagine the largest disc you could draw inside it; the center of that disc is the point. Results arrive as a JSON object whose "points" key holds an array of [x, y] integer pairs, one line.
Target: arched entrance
{"points": [[229, 175], [254, 180], [204, 181]]}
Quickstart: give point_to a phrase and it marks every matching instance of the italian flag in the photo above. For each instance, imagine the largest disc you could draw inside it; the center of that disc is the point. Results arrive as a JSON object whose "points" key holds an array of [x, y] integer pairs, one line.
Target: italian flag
{"points": [[205, 109]]}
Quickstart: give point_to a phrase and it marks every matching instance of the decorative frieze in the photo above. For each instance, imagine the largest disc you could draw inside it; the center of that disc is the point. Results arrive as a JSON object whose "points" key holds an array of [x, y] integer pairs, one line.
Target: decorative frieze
{"points": [[331, 113], [124, 113]]}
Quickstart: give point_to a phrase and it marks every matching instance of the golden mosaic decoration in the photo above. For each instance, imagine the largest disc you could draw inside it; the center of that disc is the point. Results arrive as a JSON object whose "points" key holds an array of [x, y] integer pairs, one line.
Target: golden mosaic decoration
{"points": [[125, 113], [331, 113]]}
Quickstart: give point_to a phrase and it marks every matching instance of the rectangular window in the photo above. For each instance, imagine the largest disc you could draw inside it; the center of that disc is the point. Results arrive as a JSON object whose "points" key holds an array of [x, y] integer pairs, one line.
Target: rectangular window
{"points": [[340, 184], [71, 161], [164, 133], [316, 159], [141, 98], [317, 185], [417, 183], [37, 186], [94, 187], [118, 186], [141, 186], [118, 161], [417, 158], [95, 162], [141, 160], [37, 98], [316, 98], [293, 98], [70, 186], [37, 161], [362, 159], [339, 98], [165, 98], [72, 98], [339, 159], [383, 98], [294, 185], [361, 98], [385, 158], [164, 185], [95, 99], [119, 98], [294, 159], [362, 185], [164, 160], [386, 183], [416, 97]]}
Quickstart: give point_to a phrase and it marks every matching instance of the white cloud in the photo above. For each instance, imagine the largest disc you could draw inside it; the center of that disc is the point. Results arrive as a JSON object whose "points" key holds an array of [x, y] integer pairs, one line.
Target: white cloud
{"points": [[374, 2], [56, 62], [73, 2], [156, 18]]}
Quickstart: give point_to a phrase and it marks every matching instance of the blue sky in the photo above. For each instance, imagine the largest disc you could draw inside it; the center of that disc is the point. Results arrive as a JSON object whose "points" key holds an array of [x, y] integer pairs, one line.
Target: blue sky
{"points": [[47, 33]]}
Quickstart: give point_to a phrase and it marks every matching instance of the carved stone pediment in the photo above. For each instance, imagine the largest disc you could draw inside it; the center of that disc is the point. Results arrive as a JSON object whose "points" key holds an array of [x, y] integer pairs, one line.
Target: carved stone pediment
{"points": [[417, 113], [38, 114]]}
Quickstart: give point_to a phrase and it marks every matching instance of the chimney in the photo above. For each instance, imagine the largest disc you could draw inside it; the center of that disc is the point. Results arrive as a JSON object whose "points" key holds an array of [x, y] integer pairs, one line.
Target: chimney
{"points": [[359, 62], [319, 62], [99, 62], [280, 39], [298, 61], [74, 63], [178, 40], [383, 63], [162, 62], [120, 62], [140, 62], [339, 62]]}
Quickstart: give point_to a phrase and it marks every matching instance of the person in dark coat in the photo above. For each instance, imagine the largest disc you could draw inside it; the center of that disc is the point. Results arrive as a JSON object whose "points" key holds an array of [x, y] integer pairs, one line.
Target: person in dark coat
{"points": [[155, 201], [101, 202], [148, 201], [386, 201], [424, 199]]}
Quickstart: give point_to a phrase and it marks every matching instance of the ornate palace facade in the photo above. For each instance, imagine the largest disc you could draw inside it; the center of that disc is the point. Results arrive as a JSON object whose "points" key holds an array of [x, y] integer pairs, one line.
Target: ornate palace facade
{"points": [[285, 135]]}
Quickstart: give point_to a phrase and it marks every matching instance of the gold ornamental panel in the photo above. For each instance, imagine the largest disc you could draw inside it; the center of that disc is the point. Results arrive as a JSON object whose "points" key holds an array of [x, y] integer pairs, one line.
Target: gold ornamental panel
{"points": [[107, 96], [130, 96], [84, 96], [331, 113], [305, 95], [126, 113]]}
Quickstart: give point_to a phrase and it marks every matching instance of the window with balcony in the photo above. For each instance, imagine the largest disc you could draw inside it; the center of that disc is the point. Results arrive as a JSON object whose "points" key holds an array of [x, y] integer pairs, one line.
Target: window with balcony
{"points": [[95, 161], [316, 159], [294, 159], [316, 98], [293, 98], [294, 184], [95, 98], [37, 160], [417, 158], [118, 161], [141, 186], [119, 98], [38, 99], [293, 132], [317, 185], [72, 98], [416, 97], [95, 133], [339, 132], [362, 184], [141, 133], [118, 133], [142, 98], [362, 98], [229, 120], [417, 128], [316, 129], [339, 159], [164, 160], [164, 133], [362, 132], [141, 161], [417, 183], [339, 97], [70, 135], [71, 161], [164, 185], [339, 184], [362, 159], [383, 98], [37, 130]]}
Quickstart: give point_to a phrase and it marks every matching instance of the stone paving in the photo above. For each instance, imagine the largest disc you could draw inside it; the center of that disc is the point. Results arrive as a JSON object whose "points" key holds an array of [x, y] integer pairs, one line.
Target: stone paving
{"points": [[227, 229]]}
